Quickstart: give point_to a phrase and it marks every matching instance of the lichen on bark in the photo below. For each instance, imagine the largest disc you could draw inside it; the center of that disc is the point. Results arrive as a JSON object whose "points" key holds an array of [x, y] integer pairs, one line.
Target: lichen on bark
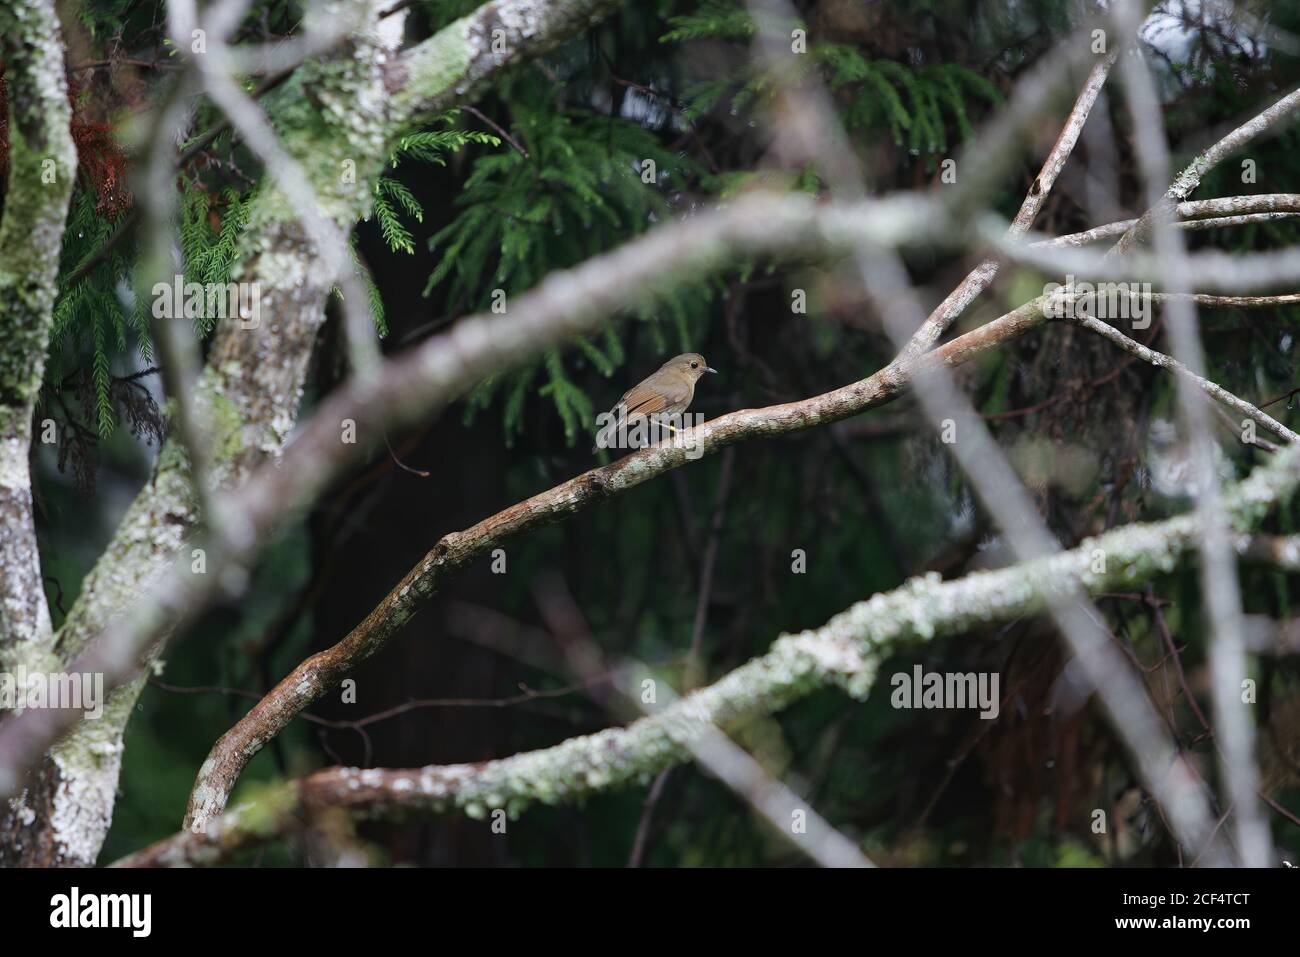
{"points": [[42, 164]]}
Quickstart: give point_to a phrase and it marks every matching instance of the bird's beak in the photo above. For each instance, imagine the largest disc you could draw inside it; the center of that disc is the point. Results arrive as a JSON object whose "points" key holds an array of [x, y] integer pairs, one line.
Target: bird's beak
{"points": [[711, 369]]}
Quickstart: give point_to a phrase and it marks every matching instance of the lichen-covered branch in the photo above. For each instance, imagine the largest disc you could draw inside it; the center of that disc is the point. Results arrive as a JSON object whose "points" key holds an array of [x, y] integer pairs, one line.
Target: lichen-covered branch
{"points": [[456, 63], [845, 652], [42, 164], [1197, 215], [42, 167], [1186, 182]]}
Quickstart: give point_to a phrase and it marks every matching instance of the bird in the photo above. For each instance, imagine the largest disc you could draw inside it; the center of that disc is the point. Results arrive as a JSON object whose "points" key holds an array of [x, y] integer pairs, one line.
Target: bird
{"points": [[662, 394]]}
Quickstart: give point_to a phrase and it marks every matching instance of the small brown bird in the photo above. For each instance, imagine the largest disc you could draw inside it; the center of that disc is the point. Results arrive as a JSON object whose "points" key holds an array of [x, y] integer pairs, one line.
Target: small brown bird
{"points": [[666, 393]]}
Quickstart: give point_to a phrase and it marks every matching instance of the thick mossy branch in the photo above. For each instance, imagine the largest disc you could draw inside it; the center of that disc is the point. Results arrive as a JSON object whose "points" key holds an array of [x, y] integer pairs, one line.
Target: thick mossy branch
{"points": [[42, 167]]}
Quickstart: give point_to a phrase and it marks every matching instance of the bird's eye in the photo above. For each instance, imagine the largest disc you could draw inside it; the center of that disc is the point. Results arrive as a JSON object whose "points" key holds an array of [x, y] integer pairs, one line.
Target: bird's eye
{"points": [[695, 365]]}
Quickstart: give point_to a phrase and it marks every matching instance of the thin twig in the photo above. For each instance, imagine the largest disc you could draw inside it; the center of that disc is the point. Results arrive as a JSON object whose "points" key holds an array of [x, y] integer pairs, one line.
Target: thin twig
{"points": [[501, 131]]}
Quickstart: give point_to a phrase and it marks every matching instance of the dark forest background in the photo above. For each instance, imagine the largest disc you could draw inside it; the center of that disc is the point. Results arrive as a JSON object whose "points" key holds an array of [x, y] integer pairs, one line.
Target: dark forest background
{"points": [[871, 501]]}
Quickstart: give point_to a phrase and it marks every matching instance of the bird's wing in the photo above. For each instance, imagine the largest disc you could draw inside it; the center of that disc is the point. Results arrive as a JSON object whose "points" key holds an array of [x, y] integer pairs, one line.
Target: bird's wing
{"points": [[650, 397]]}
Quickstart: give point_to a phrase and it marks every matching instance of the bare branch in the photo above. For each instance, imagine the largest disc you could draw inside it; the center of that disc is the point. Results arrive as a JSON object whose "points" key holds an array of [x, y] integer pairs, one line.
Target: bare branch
{"points": [[1201, 214], [938, 322], [173, 338], [1147, 354], [1209, 271], [775, 802], [1034, 97], [1187, 181]]}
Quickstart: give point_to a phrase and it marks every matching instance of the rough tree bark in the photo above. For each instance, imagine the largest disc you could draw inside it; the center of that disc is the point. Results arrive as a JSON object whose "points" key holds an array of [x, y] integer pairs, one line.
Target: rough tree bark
{"points": [[42, 165]]}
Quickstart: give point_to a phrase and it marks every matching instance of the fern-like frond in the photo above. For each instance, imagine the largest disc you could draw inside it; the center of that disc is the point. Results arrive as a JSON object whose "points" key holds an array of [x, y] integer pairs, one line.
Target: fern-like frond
{"points": [[714, 20]]}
